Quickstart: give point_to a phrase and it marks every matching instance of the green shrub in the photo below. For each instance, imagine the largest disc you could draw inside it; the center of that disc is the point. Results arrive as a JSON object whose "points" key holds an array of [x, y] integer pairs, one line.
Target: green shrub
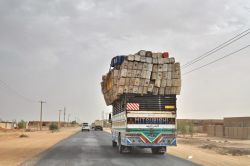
{"points": [[21, 124], [185, 127], [53, 127]]}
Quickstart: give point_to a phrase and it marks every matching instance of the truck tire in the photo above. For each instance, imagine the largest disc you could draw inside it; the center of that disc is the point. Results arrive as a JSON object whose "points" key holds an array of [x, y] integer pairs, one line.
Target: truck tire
{"points": [[114, 144], [120, 146]]}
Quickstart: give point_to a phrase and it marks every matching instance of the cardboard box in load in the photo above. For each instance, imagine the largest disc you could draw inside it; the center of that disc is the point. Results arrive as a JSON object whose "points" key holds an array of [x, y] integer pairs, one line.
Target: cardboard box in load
{"points": [[130, 65], [160, 60], [124, 65], [175, 75], [150, 87], [169, 83], [177, 90], [153, 76], [143, 59], [158, 83], [170, 67], [140, 90], [121, 81], [127, 81], [131, 81], [150, 67], [131, 57], [159, 75], [137, 82], [155, 60], [137, 58], [130, 89], [155, 91], [146, 83], [145, 90], [163, 83], [166, 60], [149, 60], [139, 66], [135, 64], [142, 82], [125, 90], [133, 73], [155, 55], [145, 66], [138, 74], [115, 73], [162, 91], [176, 82], [177, 67], [120, 89], [165, 67], [164, 75], [123, 73], [169, 75], [114, 81], [160, 68], [172, 60], [148, 75], [135, 89], [144, 74], [155, 68], [142, 52]]}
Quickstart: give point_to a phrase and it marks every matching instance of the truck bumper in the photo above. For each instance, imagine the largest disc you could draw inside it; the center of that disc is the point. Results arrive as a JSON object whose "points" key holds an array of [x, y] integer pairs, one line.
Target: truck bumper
{"points": [[142, 141]]}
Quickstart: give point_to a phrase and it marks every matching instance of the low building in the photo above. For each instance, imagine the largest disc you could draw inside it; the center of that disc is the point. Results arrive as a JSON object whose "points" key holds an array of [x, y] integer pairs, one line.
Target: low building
{"points": [[7, 125]]}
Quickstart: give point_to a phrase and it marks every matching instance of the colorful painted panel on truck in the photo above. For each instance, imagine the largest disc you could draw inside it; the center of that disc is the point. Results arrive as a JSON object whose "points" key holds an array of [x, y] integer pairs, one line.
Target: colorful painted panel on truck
{"points": [[144, 121]]}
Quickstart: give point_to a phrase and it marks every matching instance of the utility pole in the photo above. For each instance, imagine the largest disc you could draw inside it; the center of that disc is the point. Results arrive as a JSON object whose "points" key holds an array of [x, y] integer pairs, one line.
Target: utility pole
{"points": [[64, 114], [68, 119], [41, 114], [59, 123]]}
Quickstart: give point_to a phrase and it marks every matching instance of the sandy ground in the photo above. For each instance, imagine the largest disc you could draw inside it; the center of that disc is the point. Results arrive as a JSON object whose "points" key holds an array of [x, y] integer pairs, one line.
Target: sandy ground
{"points": [[211, 151], [15, 150]]}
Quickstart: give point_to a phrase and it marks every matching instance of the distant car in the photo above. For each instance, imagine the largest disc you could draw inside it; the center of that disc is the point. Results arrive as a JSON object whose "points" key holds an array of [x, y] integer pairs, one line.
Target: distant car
{"points": [[85, 127]]}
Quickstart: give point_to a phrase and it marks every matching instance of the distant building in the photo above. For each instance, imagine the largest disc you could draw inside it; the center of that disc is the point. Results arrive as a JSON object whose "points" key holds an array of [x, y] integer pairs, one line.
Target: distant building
{"points": [[233, 127], [7, 125]]}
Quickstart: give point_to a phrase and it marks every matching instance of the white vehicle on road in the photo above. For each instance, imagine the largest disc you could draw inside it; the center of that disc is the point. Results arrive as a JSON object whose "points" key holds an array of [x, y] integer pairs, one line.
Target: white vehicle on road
{"points": [[85, 126]]}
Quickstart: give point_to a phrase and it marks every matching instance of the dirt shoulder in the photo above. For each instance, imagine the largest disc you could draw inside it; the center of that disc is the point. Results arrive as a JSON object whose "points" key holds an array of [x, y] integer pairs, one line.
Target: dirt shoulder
{"points": [[213, 151], [15, 150]]}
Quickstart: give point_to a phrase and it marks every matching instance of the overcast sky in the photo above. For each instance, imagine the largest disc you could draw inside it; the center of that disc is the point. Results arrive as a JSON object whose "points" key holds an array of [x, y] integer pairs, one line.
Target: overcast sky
{"points": [[57, 50]]}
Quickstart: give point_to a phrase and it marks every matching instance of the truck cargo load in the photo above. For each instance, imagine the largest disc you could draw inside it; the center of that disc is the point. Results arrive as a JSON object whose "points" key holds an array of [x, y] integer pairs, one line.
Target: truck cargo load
{"points": [[142, 73]]}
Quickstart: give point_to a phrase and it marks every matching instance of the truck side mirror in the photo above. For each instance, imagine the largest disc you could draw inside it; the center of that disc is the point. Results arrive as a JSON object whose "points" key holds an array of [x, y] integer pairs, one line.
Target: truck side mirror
{"points": [[110, 121]]}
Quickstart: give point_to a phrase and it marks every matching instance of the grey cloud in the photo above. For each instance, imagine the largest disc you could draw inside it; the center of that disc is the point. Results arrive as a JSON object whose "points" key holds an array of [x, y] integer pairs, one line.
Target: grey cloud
{"points": [[62, 48]]}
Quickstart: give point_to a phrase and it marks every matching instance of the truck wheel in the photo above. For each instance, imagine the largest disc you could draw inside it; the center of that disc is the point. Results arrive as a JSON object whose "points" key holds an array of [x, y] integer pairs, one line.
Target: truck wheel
{"points": [[114, 144], [120, 148]]}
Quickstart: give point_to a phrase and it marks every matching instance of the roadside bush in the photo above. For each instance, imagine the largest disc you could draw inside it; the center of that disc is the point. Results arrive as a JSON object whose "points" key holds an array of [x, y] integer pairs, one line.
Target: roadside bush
{"points": [[53, 127], [23, 136], [21, 124], [185, 127]]}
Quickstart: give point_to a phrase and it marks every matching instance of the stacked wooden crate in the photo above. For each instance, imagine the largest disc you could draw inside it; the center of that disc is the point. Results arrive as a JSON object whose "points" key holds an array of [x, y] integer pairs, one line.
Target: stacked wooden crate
{"points": [[142, 73]]}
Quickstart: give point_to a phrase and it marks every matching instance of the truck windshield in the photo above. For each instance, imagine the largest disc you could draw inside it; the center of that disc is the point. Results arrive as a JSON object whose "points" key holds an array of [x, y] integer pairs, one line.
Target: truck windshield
{"points": [[85, 124]]}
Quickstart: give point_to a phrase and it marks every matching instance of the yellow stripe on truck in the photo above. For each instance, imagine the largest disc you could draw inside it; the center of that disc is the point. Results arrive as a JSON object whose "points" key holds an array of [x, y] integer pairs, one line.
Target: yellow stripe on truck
{"points": [[169, 107]]}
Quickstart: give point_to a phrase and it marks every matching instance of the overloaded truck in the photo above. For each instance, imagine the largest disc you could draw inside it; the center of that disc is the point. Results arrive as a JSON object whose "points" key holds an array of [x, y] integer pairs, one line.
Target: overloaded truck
{"points": [[98, 125], [142, 90]]}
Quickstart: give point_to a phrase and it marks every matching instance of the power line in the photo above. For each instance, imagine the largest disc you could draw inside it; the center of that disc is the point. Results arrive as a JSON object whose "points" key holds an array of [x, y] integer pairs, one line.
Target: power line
{"points": [[216, 49], [217, 60], [4, 84]]}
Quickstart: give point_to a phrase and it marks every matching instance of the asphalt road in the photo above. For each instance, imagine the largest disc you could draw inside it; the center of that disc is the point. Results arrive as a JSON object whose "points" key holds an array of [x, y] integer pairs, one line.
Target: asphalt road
{"points": [[94, 149]]}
